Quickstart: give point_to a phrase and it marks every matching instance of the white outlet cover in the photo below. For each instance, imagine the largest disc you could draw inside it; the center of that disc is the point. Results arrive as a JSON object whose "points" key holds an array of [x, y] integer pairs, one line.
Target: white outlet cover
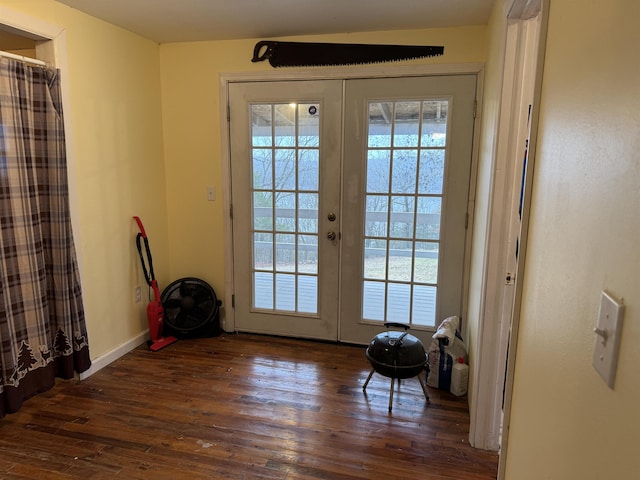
{"points": [[607, 333], [137, 294]]}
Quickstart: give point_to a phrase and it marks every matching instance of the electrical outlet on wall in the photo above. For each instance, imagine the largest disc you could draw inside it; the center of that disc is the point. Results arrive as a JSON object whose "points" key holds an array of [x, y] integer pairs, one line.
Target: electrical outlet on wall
{"points": [[137, 294]]}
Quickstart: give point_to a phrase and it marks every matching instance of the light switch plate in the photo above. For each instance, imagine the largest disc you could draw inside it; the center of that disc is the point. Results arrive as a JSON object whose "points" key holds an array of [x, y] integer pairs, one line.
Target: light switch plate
{"points": [[607, 333]]}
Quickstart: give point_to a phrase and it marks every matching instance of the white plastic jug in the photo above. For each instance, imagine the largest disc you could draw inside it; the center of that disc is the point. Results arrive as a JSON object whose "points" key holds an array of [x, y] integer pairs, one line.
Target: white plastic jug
{"points": [[459, 378]]}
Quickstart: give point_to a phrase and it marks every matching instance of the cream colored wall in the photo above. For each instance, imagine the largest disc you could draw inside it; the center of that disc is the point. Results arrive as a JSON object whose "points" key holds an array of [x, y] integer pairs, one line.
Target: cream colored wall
{"points": [[192, 128], [584, 236], [116, 161]]}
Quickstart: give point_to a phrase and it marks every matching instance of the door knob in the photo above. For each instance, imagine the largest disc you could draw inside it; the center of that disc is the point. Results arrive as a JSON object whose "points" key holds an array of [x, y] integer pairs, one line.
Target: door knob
{"points": [[332, 217], [331, 235]]}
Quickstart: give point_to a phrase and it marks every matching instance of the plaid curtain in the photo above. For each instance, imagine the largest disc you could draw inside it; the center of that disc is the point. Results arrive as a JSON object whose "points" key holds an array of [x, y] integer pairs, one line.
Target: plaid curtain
{"points": [[42, 327]]}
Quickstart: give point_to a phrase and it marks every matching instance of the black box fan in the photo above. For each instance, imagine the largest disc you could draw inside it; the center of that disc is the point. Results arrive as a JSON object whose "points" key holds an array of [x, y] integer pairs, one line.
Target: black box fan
{"points": [[191, 309]]}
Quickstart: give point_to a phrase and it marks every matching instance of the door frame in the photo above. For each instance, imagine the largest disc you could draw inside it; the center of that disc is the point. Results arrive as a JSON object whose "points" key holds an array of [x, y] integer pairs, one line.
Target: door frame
{"points": [[521, 13], [339, 73], [493, 377]]}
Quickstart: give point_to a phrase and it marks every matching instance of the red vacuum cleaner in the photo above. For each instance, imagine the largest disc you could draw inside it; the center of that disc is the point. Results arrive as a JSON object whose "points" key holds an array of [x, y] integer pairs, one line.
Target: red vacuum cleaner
{"points": [[155, 312]]}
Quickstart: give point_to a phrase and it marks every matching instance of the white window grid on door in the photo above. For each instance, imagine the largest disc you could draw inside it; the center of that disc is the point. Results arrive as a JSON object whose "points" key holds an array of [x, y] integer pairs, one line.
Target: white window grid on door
{"points": [[406, 154], [285, 195]]}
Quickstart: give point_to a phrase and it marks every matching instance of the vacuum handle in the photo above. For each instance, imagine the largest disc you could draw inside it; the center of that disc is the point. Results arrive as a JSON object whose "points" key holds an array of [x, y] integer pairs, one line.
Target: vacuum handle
{"points": [[149, 275], [140, 226]]}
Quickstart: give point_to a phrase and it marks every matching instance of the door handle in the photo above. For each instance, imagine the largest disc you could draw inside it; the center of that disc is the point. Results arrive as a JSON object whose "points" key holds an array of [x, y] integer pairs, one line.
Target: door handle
{"points": [[331, 217], [331, 235]]}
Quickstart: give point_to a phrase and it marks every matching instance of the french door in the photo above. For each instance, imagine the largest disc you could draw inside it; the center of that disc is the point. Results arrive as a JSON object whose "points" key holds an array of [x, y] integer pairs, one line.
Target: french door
{"points": [[406, 176], [285, 170], [349, 204]]}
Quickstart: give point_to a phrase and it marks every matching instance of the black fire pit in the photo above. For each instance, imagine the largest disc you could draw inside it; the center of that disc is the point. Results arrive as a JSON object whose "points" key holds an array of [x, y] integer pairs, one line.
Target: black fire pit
{"points": [[397, 354]]}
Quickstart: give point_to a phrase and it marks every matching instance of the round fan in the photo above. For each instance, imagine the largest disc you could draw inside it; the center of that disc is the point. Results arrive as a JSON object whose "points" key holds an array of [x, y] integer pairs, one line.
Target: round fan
{"points": [[191, 309]]}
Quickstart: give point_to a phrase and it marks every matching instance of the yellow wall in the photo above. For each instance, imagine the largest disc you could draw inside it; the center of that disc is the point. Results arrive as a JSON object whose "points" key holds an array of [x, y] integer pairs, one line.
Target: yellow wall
{"points": [[584, 237], [191, 113], [116, 155]]}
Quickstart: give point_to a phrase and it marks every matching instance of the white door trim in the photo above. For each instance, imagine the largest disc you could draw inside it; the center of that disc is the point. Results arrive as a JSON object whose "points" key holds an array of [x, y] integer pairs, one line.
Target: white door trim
{"points": [[521, 85], [504, 226], [537, 75], [378, 71]]}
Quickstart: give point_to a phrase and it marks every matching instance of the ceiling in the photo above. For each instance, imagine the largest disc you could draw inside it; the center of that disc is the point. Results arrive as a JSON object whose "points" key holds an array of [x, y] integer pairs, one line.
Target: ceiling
{"points": [[168, 21]]}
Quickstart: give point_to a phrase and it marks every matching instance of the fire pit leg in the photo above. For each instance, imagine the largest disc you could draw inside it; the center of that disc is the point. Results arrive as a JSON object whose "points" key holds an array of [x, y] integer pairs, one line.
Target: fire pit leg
{"points": [[391, 393], [424, 388], [367, 382]]}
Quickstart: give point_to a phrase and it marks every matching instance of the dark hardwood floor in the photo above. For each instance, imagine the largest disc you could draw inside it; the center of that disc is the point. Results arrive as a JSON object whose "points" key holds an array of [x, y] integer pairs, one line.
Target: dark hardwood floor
{"points": [[241, 407]]}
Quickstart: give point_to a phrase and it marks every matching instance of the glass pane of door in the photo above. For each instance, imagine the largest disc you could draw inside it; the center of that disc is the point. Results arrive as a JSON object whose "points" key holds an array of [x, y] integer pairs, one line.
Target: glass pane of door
{"points": [[405, 153], [285, 191]]}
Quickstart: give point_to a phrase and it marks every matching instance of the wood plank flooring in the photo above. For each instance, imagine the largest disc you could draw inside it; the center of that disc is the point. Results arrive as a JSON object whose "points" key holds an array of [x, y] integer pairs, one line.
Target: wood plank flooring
{"points": [[241, 407]]}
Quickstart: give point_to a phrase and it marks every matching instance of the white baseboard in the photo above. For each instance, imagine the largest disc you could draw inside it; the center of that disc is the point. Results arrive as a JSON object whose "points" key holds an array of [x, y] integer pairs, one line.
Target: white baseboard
{"points": [[104, 360]]}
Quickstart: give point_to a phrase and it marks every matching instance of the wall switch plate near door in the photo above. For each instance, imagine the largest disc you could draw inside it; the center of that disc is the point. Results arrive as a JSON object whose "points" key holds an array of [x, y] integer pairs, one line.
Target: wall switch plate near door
{"points": [[607, 332]]}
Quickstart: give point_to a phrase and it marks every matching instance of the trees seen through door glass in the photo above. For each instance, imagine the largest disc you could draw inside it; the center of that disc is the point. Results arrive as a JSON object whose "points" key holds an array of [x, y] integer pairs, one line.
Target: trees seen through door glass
{"points": [[406, 151], [285, 170]]}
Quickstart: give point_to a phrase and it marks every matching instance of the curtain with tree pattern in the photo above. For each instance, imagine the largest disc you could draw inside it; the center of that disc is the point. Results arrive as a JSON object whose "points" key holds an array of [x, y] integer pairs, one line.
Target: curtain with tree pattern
{"points": [[42, 326]]}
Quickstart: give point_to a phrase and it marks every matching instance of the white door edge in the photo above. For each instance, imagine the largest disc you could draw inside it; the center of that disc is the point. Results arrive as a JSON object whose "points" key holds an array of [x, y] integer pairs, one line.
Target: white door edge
{"points": [[538, 65], [500, 301]]}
